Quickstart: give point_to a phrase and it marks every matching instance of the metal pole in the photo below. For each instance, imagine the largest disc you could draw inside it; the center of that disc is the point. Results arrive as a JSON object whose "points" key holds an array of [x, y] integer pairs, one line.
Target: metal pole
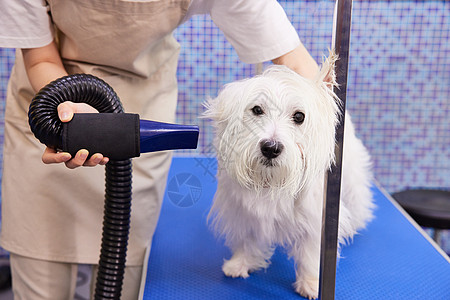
{"points": [[330, 214]]}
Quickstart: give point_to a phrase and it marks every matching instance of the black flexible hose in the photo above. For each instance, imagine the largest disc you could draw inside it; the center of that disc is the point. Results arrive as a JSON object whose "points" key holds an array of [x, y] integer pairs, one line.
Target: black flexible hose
{"points": [[46, 126]]}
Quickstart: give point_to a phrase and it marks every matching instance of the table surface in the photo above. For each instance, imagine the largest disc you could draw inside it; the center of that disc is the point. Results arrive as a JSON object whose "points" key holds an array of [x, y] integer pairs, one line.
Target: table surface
{"points": [[391, 259]]}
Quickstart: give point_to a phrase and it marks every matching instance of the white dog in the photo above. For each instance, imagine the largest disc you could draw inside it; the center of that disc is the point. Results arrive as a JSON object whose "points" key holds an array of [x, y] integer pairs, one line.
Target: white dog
{"points": [[275, 140]]}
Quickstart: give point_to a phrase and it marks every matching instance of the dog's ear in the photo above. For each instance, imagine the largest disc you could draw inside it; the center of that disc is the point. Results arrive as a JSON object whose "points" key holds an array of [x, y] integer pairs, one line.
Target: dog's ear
{"points": [[212, 109], [217, 109], [226, 106], [326, 77]]}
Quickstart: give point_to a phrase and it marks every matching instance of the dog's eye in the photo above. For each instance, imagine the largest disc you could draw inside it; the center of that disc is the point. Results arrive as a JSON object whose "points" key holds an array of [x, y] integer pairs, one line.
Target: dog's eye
{"points": [[257, 110], [298, 117]]}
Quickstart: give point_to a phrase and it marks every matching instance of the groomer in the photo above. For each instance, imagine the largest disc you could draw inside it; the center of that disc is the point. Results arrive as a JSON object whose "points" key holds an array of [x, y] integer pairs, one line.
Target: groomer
{"points": [[52, 212]]}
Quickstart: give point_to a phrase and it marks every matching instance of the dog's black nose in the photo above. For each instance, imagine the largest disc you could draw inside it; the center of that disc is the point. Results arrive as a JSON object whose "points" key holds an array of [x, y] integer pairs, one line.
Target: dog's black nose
{"points": [[270, 148]]}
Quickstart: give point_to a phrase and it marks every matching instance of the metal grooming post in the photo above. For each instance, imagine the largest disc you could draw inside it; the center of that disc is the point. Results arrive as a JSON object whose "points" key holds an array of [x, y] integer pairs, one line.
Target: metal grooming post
{"points": [[330, 214]]}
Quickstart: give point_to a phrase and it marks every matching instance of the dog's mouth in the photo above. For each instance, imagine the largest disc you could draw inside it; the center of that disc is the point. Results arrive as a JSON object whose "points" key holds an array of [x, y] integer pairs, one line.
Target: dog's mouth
{"points": [[268, 162]]}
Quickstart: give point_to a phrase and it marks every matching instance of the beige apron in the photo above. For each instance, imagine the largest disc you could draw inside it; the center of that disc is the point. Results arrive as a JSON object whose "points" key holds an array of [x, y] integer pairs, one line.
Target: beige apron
{"points": [[53, 213]]}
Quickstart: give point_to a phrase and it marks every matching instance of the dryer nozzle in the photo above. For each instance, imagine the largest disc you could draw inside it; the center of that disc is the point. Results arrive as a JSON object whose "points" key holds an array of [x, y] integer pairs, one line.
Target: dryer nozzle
{"points": [[123, 136]]}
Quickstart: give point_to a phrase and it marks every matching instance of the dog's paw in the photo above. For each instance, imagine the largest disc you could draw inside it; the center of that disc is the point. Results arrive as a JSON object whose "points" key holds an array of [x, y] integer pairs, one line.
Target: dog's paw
{"points": [[235, 267], [308, 287]]}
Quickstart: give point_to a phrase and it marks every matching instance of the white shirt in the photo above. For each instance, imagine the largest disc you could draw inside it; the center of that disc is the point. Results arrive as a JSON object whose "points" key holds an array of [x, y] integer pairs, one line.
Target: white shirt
{"points": [[259, 30]]}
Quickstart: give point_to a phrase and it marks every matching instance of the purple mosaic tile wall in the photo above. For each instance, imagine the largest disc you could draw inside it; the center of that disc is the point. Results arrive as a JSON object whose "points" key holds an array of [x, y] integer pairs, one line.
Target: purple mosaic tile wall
{"points": [[398, 89]]}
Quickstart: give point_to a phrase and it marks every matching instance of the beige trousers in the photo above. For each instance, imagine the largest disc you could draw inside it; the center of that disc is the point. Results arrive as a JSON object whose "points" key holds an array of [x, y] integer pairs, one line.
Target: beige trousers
{"points": [[46, 280]]}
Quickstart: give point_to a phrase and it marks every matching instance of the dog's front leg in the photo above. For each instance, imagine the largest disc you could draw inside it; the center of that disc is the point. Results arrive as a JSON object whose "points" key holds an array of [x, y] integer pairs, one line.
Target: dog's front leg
{"points": [[307, 259], [248, 256]]}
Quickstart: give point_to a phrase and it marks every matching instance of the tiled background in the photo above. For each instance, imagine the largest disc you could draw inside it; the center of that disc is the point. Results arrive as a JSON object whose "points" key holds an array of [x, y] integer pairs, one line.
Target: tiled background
{"points": [[398, 90]]}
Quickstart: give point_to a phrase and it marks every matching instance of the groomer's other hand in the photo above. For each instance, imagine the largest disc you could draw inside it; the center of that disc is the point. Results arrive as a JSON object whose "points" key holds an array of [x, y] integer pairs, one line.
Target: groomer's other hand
{"points": [[51, 156], [300, 61]]}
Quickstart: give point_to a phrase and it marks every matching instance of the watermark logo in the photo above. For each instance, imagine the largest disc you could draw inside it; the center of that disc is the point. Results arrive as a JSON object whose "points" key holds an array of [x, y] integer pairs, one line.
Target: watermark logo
{"points": [[184, 190]]}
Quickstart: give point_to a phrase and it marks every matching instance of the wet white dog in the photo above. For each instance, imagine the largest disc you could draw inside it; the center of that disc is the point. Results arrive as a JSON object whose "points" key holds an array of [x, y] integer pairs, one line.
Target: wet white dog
{"points": [[275, 138]]}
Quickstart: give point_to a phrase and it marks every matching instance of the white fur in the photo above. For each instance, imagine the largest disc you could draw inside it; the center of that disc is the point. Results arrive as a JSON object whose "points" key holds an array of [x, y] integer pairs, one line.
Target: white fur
{"points": [[260, 202]]}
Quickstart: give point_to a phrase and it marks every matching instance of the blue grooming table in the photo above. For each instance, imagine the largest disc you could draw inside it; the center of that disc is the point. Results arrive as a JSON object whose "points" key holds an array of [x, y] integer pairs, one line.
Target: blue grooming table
{"points": [[391, 259]]}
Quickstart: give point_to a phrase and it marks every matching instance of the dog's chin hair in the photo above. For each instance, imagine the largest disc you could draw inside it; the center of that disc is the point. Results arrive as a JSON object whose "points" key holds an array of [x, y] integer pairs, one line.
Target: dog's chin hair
{"points": [[268, 176]]}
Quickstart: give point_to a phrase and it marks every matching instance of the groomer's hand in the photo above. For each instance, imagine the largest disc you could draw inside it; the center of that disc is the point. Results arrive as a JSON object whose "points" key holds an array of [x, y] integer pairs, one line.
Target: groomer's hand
{"points": [[51, 156]]}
